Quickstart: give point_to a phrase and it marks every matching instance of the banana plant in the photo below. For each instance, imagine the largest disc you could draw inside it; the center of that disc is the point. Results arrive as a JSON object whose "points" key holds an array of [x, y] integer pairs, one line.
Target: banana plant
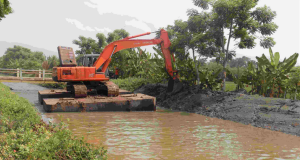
{"points": [[251, 76], [277, 70], [273, 71], [208, 79]]}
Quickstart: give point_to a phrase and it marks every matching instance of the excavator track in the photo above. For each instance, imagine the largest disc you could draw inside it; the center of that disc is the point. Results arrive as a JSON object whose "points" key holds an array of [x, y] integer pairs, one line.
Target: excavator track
{"points": [[79, 90], [112, 89]]}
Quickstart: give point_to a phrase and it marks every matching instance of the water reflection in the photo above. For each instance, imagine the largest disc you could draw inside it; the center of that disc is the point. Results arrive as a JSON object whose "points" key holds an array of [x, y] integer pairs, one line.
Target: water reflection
{"points": [[174, 135]]}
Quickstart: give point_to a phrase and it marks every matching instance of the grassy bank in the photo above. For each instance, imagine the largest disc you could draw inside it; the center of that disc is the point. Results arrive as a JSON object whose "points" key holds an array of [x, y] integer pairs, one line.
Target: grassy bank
{"points": [[23, 135]]}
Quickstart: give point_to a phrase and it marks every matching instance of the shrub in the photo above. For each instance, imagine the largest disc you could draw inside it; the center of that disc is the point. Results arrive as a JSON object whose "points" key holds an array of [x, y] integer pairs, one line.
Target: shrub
{"points": [[23, 135], [130, 84]]}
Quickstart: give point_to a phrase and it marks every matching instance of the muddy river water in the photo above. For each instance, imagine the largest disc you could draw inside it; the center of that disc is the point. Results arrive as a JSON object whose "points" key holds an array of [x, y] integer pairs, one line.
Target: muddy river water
{"points": [[170, 135], [178, 135]]}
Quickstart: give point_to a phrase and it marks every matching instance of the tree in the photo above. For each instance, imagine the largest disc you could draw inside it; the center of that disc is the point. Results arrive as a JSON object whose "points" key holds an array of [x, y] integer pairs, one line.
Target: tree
{"points": [[117, 35], [201, 41], [5, 8], [86, 45], [239, 62], [53, 61], [21, 57], [242, 23], [191, 35], [120, 58], [91, 46]]}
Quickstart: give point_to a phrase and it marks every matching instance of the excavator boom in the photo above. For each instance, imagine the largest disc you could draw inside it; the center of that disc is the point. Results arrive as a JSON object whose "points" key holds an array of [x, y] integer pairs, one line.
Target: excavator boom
{"points": [[69, 72], [127, 42]]}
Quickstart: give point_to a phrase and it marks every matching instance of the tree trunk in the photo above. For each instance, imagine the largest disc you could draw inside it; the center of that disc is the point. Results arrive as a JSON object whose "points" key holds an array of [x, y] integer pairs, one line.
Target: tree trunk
{"points": [[226, 53], [196, 67], [224, 63]]}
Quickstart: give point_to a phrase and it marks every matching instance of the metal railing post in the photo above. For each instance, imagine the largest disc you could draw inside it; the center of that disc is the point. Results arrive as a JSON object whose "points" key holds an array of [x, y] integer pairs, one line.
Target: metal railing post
{"points": [[21, 76], [43, 74], [18, 72]]}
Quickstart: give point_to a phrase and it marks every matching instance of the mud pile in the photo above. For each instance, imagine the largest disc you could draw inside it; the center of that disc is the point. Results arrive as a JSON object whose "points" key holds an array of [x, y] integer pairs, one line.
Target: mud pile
{"points": [[271, 113]]}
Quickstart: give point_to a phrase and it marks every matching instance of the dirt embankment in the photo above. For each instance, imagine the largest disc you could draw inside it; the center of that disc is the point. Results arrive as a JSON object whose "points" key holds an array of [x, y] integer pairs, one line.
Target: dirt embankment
{"points": [[272, 113]]}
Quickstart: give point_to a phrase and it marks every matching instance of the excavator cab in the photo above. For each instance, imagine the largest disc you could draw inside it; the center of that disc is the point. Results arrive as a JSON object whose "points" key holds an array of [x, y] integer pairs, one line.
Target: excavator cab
{"points": [[88, 59]]}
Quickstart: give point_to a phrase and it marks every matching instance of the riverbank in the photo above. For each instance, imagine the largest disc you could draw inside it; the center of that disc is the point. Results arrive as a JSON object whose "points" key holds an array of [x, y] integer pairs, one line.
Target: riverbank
{"points": [[275, 114], [25, 135]]}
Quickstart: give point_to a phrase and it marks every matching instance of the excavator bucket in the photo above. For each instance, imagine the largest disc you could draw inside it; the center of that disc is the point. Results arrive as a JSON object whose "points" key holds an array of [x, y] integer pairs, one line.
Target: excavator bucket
{"points": [[174, 86]]}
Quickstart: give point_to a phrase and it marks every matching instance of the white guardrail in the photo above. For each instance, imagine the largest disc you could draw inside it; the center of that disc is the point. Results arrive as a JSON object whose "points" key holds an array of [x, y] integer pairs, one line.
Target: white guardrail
{"points": [[39, 74]]}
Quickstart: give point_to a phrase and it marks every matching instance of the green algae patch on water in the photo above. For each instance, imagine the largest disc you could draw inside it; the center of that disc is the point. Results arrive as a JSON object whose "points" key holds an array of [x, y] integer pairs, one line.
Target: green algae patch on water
{"points": [[23, 135]]}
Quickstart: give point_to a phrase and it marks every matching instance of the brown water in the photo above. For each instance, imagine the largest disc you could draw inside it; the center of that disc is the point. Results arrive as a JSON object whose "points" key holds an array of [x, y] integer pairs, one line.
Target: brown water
{"points": [[177, 135]]}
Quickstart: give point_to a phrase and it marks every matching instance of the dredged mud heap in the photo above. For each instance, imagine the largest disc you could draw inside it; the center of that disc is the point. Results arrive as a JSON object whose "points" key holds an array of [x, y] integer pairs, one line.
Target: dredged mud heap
{"points": [[271, 113]]}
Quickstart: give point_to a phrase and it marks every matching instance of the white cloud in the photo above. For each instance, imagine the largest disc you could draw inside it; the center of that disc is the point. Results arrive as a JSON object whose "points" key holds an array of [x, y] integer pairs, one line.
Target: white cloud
{"points": [[79, 25], [103, 30], [90, 4], [88, 28], [138, 24], [159, 15]]}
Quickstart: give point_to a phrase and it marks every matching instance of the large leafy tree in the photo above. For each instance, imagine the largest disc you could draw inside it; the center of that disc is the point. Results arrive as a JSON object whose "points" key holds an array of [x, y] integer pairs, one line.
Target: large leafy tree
{"points": [[21, 57], [117, 35], [239, 62], [91, 46], [5, 8], [201, 40], [52, 61], [192, 35], [243, 23], [86, 45]]}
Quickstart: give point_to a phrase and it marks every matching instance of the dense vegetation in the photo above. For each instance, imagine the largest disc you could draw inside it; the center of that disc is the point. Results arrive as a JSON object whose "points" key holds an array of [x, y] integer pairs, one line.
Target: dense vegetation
{"points": [[21, 57], [23, 135]]}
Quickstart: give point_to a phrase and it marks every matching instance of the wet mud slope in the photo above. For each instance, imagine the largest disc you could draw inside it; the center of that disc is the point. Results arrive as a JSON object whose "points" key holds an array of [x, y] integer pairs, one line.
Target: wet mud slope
{"points": [[271, 113]]}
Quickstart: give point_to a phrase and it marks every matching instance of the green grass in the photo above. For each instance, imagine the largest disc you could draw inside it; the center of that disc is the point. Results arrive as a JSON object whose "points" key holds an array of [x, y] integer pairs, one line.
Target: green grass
{"points": [[23, 135], [230, 86], [130, 84]]}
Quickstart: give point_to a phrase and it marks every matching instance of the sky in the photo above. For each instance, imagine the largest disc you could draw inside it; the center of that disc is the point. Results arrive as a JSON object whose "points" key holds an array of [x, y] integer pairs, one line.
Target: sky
{"points": [[48, 24]]}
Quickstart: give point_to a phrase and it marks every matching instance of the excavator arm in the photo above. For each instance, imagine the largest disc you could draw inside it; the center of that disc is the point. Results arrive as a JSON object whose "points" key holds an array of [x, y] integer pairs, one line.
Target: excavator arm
{"points": [[74, 75], [164, 41]]}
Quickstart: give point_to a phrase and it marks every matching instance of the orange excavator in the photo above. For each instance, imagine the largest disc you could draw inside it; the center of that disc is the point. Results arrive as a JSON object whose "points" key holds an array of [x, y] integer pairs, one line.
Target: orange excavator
{"points": [[82, 80]]}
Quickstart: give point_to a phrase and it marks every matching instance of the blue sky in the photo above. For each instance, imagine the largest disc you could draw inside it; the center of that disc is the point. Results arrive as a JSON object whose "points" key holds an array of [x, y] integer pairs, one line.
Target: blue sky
{"points": [[48, 24]]}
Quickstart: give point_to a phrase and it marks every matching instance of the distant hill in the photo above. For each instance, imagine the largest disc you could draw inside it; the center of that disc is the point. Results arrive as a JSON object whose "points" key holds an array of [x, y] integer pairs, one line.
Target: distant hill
{"points": [[4, 45]]}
